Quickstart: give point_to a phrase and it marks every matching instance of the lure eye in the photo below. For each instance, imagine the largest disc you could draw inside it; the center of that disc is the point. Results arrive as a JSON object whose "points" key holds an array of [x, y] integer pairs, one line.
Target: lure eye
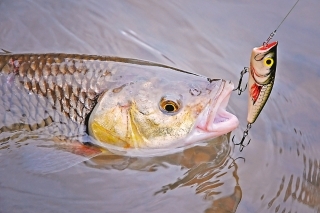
{"points": [[169, 105], [268, 62]]}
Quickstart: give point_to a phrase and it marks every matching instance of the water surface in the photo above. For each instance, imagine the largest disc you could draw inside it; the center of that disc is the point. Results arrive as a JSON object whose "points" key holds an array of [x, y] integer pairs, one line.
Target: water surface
{"points": [[281, 168]]}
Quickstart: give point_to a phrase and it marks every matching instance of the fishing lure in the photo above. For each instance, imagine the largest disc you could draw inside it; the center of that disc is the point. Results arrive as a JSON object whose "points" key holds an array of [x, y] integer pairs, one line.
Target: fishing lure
{"points": [[262, 71]]}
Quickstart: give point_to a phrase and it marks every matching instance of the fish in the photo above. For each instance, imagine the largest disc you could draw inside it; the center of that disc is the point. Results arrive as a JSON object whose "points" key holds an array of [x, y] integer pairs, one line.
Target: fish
{"points": [[89, 103], [262, 71]]}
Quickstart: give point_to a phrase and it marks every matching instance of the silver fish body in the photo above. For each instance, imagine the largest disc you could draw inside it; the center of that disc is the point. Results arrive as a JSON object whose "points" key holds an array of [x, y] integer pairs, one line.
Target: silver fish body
{"points": [[39, 90]]}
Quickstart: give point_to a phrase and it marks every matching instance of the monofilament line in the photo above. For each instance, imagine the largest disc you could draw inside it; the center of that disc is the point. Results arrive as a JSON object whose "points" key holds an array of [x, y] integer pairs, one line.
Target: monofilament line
{"points": [[274, 32], [287, 14]]}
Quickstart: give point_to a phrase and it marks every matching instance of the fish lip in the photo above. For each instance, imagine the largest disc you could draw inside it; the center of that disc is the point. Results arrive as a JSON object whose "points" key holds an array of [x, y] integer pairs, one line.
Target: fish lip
{"points": [[218, 120]]}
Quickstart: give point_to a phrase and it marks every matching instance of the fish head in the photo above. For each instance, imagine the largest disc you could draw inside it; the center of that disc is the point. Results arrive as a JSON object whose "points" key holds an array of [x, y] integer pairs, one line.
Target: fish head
{"points": [[163, 111], [263, 63]]}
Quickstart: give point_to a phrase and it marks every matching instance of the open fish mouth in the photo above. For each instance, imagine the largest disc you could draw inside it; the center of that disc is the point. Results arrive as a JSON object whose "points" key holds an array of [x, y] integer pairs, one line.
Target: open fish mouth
{"points": [[215, 120]]}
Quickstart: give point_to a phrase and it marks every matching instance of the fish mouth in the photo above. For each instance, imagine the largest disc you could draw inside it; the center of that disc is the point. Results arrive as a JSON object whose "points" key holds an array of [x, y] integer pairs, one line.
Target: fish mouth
{"points": [[215, 120]]}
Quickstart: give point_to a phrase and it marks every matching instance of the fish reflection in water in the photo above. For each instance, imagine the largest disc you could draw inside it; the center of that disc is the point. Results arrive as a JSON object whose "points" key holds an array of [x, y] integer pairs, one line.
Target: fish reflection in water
{"points": [[207, 167]]}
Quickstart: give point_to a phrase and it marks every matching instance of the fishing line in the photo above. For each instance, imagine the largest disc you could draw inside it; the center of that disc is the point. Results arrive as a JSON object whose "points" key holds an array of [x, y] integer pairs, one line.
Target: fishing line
{"points": [[274, 32]]}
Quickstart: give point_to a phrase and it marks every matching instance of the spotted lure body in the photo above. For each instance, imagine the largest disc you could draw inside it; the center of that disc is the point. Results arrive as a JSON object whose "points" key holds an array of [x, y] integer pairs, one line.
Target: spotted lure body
{"points": [[262, 72]]}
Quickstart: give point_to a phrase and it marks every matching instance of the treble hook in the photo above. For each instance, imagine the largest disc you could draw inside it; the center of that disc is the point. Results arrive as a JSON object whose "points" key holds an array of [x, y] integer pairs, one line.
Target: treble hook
{"points": [[240, 90], [245, 133], [234, 161]]}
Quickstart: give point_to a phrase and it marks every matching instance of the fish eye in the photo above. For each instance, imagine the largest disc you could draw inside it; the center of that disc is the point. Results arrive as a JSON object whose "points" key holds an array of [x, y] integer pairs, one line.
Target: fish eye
{"points": [[268, 62], [169, 105]]}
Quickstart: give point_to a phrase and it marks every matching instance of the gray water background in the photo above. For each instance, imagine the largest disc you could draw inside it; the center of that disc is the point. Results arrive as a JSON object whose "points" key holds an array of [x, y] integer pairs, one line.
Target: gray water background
{"points": [[281, 171]]}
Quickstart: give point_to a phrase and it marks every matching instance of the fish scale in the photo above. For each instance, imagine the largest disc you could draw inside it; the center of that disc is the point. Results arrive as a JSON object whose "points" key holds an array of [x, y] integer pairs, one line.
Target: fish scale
{"points": [[262, 99], [31, 83]]}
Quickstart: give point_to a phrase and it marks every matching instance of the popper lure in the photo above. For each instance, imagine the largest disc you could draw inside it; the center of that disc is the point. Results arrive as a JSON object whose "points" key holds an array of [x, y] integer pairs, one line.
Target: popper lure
{"points": [[262, 71]]}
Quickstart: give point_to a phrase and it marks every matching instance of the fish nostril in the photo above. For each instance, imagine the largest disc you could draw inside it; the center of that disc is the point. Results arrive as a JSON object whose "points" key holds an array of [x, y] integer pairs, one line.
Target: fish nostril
{"points": [[195, 92]]}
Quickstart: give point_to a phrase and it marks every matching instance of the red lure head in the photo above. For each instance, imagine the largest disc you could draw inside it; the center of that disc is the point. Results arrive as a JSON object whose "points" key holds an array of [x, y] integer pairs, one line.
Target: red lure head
{"points": [[268, 46]]}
